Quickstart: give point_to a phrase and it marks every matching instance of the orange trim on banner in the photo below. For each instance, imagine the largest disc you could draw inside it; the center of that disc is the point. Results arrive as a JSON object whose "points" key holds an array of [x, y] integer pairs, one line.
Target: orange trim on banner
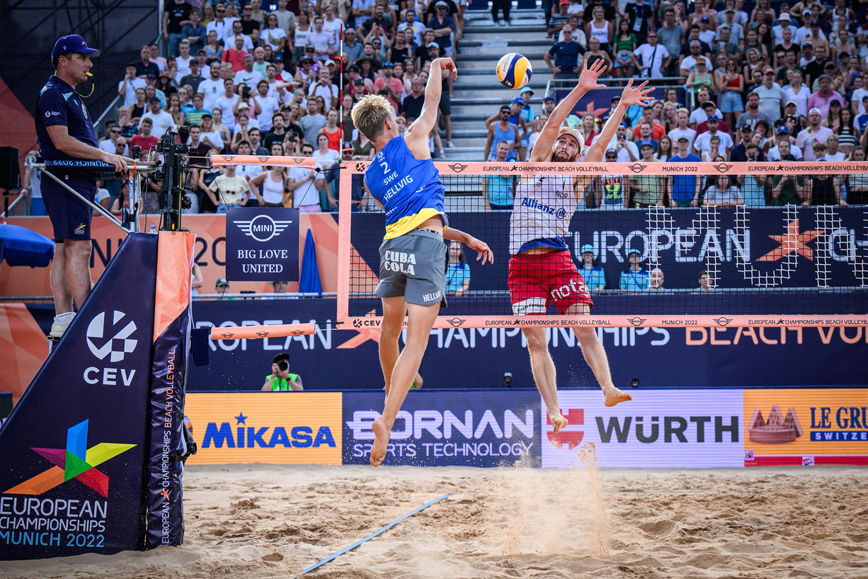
{"points": [[231, 160], [257, 332], [444, 321], [174, 264], [639, 168]]}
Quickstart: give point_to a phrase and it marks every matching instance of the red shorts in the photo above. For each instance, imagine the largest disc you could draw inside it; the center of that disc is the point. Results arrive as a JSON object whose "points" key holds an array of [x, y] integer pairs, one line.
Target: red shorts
{"points": [[537, 280]]}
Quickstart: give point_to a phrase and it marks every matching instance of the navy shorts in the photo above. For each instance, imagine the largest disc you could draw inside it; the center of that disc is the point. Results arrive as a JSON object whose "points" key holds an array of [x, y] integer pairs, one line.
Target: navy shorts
{"points": [[70, 216]]}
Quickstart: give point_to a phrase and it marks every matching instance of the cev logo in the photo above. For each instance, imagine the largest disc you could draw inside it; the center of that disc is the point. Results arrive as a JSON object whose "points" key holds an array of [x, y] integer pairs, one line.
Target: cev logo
{"points": [[115, 349], [96, 331]]}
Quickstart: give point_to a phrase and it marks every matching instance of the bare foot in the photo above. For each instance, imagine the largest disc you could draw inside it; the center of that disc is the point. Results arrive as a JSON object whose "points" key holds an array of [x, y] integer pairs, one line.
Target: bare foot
{"points": [[417, 382], [557, 419], [615, 396], [381, 440]]}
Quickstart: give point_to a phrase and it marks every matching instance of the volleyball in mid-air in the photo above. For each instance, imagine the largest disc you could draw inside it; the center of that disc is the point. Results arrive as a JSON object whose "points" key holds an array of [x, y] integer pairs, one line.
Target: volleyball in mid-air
{"points": [[514, 71]]}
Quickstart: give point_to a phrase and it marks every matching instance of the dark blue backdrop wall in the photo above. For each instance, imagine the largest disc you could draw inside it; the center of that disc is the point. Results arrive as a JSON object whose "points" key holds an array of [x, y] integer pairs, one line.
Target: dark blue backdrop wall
{"points": [[471, 358]]}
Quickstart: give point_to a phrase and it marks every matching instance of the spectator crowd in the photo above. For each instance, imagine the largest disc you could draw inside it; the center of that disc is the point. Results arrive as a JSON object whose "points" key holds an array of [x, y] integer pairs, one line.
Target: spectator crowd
{"points": [[767, 82], [777, 82]]}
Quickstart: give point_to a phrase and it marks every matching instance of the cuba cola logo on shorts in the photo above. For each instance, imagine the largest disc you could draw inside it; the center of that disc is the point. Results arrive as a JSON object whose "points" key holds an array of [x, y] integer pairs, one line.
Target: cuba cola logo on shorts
{"points": [[110, 338]]}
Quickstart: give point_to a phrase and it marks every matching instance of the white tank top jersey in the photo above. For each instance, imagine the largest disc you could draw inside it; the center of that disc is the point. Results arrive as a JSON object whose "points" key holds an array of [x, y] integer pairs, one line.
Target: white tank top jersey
{"points": [[601, 34], [272, 191], [541, 214]]}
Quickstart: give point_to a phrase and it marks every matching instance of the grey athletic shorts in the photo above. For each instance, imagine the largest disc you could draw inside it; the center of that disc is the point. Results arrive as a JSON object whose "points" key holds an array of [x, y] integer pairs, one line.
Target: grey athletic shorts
{"points": [[414, 266]]}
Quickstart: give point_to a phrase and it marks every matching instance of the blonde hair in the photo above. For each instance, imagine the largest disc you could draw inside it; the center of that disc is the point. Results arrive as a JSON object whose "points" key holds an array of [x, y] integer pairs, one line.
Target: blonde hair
{"points": [[370, 115]]}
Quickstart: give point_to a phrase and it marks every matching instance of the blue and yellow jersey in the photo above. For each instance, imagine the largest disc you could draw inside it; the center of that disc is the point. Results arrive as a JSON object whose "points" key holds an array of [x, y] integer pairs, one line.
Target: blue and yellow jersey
{"points": [[409, 189]]}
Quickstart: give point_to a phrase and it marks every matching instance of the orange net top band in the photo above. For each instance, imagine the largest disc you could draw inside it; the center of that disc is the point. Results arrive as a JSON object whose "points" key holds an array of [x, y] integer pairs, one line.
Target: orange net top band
{"points": [[640, 168], [280, 161]]}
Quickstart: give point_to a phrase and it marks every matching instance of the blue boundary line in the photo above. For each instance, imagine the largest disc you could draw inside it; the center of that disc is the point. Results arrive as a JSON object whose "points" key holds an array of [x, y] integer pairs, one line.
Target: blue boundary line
{"points": [[372, 535]]}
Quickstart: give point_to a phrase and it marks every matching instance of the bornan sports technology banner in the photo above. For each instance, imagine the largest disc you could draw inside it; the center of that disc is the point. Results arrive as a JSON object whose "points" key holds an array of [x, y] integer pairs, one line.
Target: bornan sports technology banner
{"points": [[268, 427], [482, 428]]}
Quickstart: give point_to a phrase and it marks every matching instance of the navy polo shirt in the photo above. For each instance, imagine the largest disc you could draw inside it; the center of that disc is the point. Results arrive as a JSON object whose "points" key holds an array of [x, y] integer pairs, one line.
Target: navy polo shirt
{"points": [[59, 104], [566, 55]]}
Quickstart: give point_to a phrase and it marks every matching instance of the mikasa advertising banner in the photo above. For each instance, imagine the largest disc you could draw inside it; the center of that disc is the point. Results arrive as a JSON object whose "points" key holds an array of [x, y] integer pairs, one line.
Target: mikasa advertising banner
{"points": [[658, 428]]}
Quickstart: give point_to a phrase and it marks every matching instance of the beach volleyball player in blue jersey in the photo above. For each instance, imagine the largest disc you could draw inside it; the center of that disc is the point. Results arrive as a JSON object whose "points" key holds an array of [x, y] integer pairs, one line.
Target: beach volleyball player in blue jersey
{"points": [[402, 178]]}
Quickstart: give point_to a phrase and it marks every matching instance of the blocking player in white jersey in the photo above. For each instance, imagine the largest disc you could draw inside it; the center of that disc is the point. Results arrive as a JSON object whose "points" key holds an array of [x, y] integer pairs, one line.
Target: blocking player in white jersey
{"points": [[541, 270]]}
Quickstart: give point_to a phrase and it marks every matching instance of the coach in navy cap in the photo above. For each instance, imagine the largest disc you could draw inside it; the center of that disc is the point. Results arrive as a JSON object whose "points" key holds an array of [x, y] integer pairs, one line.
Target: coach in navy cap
{"points": [[64, 130]]}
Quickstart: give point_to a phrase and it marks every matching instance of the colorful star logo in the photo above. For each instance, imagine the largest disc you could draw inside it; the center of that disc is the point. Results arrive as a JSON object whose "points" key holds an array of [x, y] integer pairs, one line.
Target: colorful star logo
{"points": [[792, 241], [75, 462]]}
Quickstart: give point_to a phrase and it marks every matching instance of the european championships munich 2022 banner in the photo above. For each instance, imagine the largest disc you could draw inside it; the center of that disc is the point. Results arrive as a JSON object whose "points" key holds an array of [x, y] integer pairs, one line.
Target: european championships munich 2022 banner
{"points": [[72, 477]]}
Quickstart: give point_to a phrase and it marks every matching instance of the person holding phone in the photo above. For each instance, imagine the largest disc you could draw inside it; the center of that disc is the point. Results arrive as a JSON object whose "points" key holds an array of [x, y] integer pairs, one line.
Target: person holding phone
{"points": [[281, 379]]}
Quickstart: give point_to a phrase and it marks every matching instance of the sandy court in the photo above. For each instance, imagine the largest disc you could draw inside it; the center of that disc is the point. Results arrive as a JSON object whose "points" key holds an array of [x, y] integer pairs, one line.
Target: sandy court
{"points": [[274, 521]]}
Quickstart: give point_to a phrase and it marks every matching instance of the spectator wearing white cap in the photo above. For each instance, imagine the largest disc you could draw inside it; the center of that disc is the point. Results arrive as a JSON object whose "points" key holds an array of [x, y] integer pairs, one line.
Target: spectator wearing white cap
{"points": [[783, 24], [814, 133]]}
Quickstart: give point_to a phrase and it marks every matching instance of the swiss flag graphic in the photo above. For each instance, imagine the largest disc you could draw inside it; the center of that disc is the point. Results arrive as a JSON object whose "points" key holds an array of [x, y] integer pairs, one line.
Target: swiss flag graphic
{"points": [[568, 436]]}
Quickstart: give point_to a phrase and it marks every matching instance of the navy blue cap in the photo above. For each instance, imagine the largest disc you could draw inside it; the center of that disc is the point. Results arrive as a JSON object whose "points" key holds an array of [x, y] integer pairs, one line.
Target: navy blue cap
{"points": [[72, 43], [624, 124], [712, 118], [518, 100], [548, 98], [646, 144]]}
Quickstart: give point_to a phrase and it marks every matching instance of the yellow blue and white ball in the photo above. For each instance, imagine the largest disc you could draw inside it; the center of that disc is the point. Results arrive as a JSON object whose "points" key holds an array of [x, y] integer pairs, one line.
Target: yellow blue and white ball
{"points": [[514, 71]]}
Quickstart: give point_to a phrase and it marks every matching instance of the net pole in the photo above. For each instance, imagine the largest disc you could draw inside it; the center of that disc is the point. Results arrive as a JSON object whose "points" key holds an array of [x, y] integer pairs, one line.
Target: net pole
{"points": [[345, 212]]}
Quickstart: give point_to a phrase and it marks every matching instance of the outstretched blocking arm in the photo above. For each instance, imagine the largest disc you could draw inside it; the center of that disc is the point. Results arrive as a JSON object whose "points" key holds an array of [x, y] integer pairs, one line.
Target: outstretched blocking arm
{"points": [[480, 247], [587, 82], [631, 96], [420, 129]]}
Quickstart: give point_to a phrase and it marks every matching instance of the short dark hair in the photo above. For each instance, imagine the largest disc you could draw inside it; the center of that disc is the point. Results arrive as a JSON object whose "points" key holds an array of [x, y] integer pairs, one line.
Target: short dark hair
{"points": [[243, 142], [56, 60]]}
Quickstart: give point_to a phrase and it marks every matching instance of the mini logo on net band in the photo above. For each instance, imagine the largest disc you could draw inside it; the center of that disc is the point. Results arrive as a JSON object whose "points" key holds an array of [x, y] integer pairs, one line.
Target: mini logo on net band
{"points": [[458, 167], [637, 167]]}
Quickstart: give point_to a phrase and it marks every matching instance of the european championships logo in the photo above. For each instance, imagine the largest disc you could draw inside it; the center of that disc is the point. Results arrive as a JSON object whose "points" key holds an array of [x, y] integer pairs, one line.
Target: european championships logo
{"points": [[76, 461]]}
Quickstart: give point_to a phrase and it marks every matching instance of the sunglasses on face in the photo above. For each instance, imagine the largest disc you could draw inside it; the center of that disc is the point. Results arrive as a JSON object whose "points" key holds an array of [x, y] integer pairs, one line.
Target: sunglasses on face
{"points": [[116, 132]]}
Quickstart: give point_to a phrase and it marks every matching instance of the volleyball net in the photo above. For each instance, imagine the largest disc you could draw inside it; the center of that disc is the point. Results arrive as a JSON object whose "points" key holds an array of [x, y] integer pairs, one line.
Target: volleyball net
{"points": [[677, 244]]}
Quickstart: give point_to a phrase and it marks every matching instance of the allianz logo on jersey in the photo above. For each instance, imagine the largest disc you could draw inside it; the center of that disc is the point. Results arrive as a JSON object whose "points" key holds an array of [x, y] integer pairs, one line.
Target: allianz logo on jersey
{"points": [[558, 212], [113, 340]]}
